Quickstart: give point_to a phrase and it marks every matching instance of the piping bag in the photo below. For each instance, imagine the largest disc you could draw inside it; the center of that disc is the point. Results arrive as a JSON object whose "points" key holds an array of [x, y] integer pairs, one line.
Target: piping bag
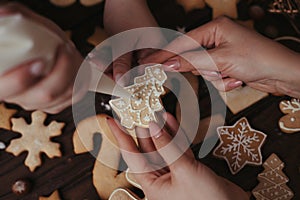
{"points": [[23, 40]]}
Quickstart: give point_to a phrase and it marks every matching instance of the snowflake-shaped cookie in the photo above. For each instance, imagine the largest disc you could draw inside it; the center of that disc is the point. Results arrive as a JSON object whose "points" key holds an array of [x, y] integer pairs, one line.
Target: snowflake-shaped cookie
{"points": [[139, 110], [5, 116], [35, 139], [240, 145], [272, 181]]}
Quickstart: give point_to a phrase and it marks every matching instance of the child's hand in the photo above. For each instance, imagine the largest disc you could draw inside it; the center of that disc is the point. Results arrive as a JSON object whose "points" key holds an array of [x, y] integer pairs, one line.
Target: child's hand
{"points": [[28, 84]]}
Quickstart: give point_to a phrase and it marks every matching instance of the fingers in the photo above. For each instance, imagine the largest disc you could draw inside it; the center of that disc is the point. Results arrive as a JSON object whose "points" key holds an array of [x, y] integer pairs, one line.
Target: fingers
{"points": [[169, 151], [134, 159], [21, 78], [179, 136], [120, 66], [208, 35], [147, 147], [56, 87], [226, 84]]}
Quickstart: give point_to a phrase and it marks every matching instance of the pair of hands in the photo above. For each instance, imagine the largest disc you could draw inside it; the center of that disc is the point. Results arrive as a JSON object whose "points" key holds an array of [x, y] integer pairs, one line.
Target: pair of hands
{"points": [[179, 175]]}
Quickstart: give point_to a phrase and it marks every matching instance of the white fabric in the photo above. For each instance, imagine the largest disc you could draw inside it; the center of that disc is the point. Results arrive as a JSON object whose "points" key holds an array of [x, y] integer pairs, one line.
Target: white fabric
{"points": [[22, 40]]}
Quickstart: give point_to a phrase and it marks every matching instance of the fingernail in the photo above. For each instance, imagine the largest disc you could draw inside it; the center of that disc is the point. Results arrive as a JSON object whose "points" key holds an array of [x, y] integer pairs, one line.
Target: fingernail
{"points": [[91, 55], [211, 73], [155, 130], [37, 68], [173, 63], [235, 84]]}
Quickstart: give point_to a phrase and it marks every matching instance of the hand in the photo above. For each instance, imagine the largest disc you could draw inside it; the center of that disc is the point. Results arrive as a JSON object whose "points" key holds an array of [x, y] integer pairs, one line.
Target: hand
{"points": [[118, 15], [29, 86], [184, 178], [235, 55]]}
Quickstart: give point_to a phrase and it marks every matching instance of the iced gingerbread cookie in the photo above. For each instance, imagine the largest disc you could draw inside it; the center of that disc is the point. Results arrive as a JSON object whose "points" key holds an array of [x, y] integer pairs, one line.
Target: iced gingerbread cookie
{"points": [[139, 110], [35, 139], [290, 123], [124, 193], [240, 145], [272, 181]]}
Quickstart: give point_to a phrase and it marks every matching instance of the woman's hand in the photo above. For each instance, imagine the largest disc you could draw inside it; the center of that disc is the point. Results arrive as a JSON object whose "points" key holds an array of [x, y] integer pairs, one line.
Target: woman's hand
{"points": [[28, 84], [235, 55], [183, 177]]}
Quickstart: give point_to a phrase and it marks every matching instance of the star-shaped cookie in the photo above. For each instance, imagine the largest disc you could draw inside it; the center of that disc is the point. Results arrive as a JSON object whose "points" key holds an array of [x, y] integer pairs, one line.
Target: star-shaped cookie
{"points": [[139, 110], [5, 116], [240, 145]]}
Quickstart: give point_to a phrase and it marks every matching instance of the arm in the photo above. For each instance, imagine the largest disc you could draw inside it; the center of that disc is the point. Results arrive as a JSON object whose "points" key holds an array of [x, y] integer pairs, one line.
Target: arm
{"points": [[235, 55], [121, 15]]}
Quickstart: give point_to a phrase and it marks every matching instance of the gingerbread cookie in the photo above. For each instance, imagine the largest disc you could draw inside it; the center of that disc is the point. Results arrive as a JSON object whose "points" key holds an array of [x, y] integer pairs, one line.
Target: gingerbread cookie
{"points": [[272, 181], [106, 177], [35, 139], [139, 110], [240, 145], [53, 196], [223, 7], [290, 123], [5, 116], [190, 5], [241, 98], [122, 193]]}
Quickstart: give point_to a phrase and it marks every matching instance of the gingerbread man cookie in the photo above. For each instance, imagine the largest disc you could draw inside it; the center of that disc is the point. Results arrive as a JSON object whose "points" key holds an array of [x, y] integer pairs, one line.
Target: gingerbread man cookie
{"points": [[290, 123], [240, 145], [139, 110]]}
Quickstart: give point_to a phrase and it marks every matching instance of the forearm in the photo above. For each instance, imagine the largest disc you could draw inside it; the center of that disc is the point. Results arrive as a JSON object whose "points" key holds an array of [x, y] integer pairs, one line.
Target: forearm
{"points": [[121, 15], [289, 81]]}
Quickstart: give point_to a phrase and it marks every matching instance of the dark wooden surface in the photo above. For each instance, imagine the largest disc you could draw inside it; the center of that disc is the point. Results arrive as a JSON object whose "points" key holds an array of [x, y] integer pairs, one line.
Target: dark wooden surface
{"points": [[71, 174]]}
